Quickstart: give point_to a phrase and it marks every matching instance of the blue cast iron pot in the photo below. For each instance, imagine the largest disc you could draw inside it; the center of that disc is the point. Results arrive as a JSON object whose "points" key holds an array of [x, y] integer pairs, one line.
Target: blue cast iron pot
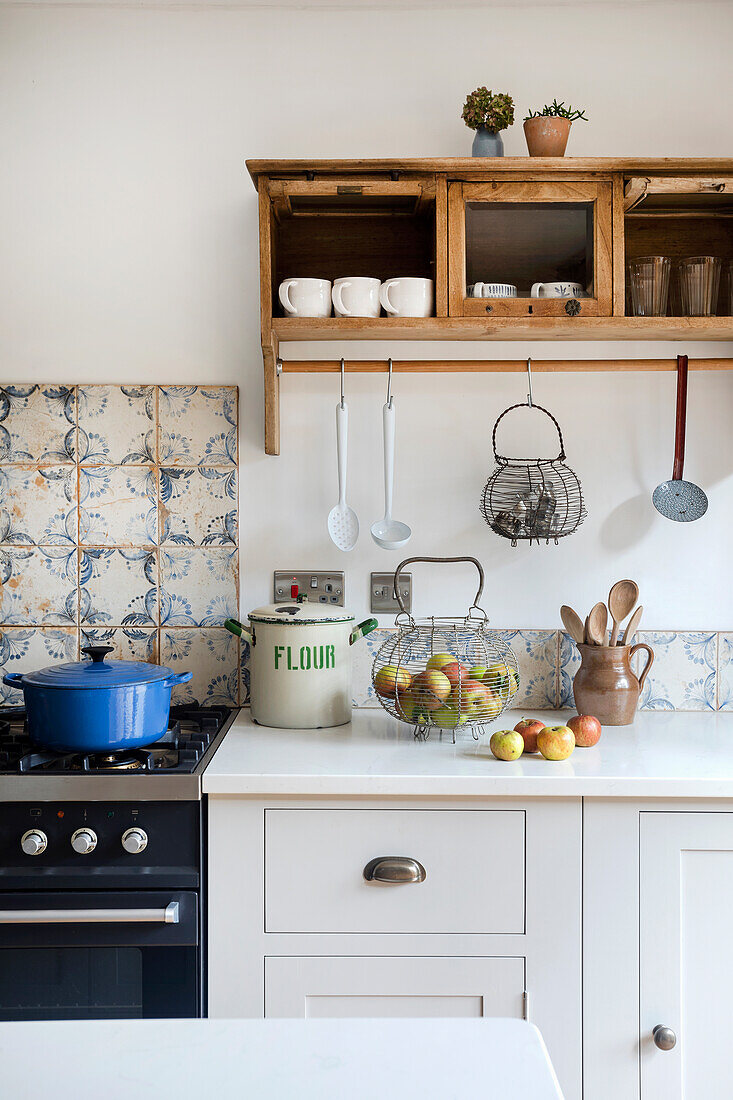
{"points": [[97, 705]]}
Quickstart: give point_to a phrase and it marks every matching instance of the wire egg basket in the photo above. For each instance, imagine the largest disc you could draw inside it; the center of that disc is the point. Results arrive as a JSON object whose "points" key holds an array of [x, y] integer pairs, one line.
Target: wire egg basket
{"points": [[446, 674], [532, 499]]}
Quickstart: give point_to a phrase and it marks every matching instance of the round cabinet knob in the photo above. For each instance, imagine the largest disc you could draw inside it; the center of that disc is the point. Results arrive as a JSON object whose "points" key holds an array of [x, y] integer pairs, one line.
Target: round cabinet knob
{"points": [[84, 841], [134, 841], [34, 842], [664, 1037]]}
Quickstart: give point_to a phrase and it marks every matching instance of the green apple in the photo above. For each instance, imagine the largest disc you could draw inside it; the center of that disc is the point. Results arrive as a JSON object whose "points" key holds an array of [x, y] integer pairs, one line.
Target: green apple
{"points": [[390, 680], [447, 717], [438, 660], [506, 744]]}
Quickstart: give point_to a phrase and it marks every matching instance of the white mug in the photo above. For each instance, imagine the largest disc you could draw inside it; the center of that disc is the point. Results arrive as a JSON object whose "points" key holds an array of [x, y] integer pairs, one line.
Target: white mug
{"points": [[408, 297], [492, 290], [557, 290], [305, 297], [356, 297]]}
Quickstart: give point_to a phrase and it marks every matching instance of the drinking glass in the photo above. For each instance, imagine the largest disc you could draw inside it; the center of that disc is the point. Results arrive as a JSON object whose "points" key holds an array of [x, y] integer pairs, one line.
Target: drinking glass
{"points": [[648, 282], [699, 279]]}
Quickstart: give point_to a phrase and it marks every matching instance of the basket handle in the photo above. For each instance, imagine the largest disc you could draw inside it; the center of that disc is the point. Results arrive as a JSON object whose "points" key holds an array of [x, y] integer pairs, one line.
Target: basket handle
{"points": [[409, 561], [526, 405]]}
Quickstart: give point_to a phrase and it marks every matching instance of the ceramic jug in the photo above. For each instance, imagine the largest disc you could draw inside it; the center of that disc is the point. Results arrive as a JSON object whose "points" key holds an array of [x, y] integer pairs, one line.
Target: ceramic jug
{"points": [[606, 686]]}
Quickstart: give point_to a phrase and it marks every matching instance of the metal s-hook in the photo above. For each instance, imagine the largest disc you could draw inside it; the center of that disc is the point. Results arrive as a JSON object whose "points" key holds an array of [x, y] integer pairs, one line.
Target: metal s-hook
{"points": [[529, 381], [389, 384], [343, 373]]}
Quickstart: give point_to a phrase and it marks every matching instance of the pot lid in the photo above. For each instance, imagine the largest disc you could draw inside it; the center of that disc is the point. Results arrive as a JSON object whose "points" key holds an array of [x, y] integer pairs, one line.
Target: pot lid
{"points": [[300, 614], [97, 672]]}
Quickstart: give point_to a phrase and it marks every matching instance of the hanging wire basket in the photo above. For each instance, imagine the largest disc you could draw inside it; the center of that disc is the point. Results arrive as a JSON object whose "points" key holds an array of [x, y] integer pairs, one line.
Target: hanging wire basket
{"points": [[532, 499], [445, 674]]}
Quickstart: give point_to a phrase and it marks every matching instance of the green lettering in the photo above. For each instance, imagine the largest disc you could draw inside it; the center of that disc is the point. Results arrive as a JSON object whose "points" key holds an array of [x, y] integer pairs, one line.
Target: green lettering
{"points": [[305, 657], [290, 659], [278, 650], [318, 657], [330, 656]]}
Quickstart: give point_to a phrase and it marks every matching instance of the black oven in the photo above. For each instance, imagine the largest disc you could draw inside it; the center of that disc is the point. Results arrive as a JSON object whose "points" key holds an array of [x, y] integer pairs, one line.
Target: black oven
{"points": [[98, 955]]}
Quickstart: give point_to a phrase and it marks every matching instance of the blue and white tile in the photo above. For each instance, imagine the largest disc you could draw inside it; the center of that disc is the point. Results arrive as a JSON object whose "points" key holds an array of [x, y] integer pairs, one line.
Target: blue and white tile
{"points": [[213, 658], [199, 585], [38, 424], [198, 506], [569, 664], [362, 660], [118, 506], [536, 653], [37, 587], [198, 425], [26, 649], [684, 673], [117, 425], [134, 643], [37, 504], [119, 587], [725, 672]]}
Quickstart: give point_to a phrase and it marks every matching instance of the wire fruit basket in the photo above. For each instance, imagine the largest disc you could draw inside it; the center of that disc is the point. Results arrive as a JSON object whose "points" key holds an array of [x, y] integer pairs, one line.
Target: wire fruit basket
{"points": [[449, 674], [532, 499]]}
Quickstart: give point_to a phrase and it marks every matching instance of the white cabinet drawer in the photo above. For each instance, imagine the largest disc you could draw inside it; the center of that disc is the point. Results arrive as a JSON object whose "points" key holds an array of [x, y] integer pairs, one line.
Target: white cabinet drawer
{"points": [[394, 987], [474, 863]]}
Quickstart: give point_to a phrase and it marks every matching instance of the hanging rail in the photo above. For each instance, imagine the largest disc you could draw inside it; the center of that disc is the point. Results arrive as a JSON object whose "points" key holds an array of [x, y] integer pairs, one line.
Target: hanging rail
{"points": [[480, 366]]}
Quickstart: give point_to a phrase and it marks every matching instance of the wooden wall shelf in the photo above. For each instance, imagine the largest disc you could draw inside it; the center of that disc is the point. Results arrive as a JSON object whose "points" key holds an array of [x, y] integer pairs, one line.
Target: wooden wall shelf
{"points": [[493, 366], [410, 217]]}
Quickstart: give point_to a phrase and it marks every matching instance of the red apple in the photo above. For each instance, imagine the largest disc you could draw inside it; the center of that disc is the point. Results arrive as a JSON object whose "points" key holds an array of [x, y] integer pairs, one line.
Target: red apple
{"points": [[529, 728], [390, 680], [556, 742], [587, 730], [456, 673], [430, 689]]}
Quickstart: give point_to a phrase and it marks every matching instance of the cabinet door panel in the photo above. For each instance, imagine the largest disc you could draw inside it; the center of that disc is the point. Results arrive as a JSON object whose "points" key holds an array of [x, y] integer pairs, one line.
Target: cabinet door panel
{"points": [[318, 987], [686, 953]]}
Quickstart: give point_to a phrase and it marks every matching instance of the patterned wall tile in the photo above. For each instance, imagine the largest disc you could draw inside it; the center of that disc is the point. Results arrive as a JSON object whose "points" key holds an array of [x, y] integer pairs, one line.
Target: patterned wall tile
{"points": [[684, 673], [119, 506], [38, 424], [197, 426], [117, 425], [120, 587], [27, 648], [568, 665], [213, 658], [536, 652], [198, 506], [725, 671], [37, 504], [83, 507]]}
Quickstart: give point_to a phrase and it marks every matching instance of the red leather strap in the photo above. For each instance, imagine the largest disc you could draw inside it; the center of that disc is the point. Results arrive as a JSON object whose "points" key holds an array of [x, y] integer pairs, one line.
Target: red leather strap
{"points": [[681, 421]]}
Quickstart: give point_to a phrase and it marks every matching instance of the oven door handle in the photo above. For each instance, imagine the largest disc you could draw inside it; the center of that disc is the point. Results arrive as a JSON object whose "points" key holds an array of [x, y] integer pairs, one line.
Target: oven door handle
{"points": [[168, 915]]}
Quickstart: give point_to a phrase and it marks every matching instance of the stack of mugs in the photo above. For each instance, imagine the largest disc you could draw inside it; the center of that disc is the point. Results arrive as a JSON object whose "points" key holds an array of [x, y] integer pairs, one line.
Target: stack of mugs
{"points": [[357, 296]]}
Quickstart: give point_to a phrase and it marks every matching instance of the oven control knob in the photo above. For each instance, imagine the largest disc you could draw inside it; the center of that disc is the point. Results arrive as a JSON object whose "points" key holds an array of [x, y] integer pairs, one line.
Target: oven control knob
{"points": [[84, 841], [34, 842], [134, 841]]}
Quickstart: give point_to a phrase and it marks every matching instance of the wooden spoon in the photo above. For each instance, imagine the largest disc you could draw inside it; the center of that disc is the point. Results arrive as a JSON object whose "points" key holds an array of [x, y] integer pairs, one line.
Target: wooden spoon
{"points": [[633, 626], [622, 600], [597, 623], [573, 623]]}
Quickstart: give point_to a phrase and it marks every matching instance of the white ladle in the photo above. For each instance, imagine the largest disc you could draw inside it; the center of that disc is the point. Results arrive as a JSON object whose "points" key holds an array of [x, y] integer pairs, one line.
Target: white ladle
{"points": [[389, 533], [343, 523]]}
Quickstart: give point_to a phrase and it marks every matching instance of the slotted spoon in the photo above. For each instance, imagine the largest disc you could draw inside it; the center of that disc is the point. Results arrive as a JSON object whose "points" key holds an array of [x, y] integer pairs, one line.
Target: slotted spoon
{"points": [[343, 523]]}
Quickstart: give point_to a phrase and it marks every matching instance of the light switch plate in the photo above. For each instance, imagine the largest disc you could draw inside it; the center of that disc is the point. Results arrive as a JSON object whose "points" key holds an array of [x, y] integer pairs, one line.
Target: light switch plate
{"points": [[318, 587], [383, 599]]}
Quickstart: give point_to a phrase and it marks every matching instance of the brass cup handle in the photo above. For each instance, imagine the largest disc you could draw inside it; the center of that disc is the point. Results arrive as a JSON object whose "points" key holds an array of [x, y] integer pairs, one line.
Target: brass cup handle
{"points": [[664, 1037], [394, 870]]}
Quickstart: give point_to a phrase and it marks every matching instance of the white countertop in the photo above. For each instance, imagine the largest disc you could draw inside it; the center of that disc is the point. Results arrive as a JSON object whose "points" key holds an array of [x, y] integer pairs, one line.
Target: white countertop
{"points": [[662, 755], [275, 1060]]}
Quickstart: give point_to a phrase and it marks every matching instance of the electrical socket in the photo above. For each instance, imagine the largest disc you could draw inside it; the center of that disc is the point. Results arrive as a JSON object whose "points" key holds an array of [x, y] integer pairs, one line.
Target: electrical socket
{"points": [[383, 599], [318, 587]]}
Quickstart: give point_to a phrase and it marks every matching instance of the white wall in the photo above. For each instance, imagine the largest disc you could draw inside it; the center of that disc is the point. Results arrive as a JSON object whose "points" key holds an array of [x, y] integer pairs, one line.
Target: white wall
{"points": [[129, 252]]}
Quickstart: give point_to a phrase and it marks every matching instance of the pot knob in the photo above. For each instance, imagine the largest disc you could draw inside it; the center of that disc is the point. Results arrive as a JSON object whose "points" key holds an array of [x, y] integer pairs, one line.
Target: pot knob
{"points": [[34, 842], [84, 841], [97, 652], [134, 841]]}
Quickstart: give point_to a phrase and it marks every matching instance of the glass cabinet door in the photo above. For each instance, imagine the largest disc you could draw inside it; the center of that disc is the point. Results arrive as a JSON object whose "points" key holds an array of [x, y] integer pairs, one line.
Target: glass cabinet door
{"points": [[526, 249]]}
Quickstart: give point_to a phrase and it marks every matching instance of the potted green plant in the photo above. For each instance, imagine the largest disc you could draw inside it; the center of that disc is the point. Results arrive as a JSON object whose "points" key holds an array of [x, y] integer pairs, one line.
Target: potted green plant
{"points": [[488, 113], [547, 131]]}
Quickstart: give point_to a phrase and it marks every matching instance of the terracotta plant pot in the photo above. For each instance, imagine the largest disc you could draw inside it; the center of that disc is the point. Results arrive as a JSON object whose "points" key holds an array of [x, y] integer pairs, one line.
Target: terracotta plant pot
{"points": [[605, 684], [547, 135]]}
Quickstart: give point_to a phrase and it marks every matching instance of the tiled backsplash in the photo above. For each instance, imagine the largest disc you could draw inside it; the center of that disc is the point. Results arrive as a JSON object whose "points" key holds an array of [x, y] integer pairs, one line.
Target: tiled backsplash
{"points": [[118, 524], [692, 670]]}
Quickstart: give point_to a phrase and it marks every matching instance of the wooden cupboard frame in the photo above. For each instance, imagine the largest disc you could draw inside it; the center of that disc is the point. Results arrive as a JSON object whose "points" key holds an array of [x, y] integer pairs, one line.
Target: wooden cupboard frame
{"points": [[389, 193]]}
